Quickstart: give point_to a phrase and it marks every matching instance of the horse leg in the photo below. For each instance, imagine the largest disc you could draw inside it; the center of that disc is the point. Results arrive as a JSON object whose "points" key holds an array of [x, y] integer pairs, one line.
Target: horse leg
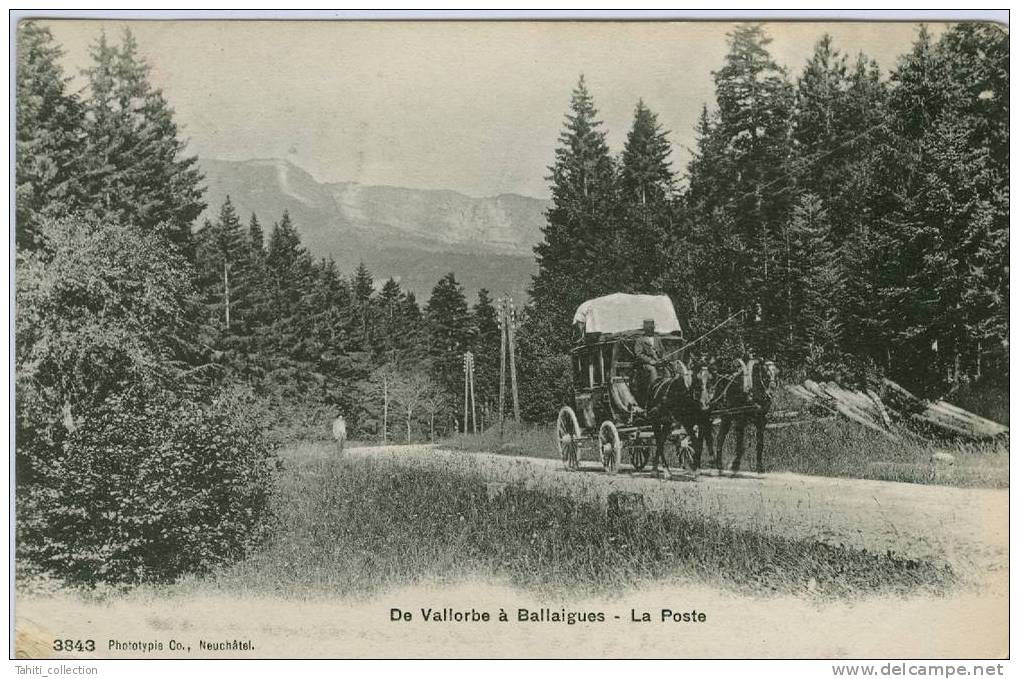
{"points": [[741, 427], [659, 454], [707, 439], [723, 431], [693, 430]]}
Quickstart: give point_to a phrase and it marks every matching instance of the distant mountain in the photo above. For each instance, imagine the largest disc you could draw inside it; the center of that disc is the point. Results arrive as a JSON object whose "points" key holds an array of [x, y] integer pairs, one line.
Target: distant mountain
{"points": [[414, 235]]}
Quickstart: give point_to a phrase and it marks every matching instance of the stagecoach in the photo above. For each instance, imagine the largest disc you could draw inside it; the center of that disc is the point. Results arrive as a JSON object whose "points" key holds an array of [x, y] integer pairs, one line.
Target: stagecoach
{"points": [[605, 421]]}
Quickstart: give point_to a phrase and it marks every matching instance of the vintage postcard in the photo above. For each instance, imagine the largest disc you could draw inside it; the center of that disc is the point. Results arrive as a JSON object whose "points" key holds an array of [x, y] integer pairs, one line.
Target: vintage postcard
{"points": [[511, 339]]}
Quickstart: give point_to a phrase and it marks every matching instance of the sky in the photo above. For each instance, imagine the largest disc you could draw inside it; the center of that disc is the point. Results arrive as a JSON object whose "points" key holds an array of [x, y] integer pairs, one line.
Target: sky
{"points": [[476, 107]]}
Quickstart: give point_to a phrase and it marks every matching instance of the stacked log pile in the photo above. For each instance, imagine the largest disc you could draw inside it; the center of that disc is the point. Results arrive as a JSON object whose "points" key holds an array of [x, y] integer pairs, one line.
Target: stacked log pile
{"points": [[943, 415], [869, 410], [860, 407]]}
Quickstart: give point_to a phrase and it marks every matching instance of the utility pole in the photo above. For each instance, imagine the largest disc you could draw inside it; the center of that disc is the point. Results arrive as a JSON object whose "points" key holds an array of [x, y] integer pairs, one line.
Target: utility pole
{"points": [[502, 364], [465, 393], [510, 322], [474, 401], [468, 361]]}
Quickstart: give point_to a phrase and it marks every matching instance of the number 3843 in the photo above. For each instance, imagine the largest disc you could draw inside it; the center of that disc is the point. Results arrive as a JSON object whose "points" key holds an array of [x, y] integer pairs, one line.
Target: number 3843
{"points": [[74, 645]]}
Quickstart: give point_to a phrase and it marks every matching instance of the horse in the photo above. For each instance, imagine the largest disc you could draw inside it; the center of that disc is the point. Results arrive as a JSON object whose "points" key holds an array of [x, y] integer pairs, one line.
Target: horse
{"points": [[683, 398], [751, 387]]}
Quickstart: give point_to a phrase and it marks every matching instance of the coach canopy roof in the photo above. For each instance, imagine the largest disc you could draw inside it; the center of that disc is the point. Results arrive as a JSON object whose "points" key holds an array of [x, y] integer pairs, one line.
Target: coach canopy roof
{"points": [[620, 312]]}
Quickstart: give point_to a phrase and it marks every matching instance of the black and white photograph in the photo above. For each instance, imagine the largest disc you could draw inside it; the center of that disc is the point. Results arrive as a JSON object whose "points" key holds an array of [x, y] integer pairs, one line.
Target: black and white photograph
{"points": [[671, 338]]}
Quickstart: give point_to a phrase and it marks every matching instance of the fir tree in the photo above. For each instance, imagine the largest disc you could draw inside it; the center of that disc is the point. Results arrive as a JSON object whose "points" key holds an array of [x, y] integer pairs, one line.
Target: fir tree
{"points": [[645, 175], [137, 169], [486, 350], [49, 140], [451, 331], [644, 247], [570, 258]]}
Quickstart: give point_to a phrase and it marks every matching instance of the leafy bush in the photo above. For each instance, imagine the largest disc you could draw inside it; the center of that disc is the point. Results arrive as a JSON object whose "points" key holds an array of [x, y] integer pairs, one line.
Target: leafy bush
{"points": [[146, 492], [127, 468]]}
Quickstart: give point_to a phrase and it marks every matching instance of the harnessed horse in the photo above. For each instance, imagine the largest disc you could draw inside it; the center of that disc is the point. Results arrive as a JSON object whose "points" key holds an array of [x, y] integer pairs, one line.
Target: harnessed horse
{"points": [[682, 398], [749, 392]]}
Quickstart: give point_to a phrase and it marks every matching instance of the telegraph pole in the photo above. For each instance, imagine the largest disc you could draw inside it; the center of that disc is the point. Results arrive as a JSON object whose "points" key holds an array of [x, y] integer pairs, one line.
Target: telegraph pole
{"points": [[474, 401], [502, 364], [468, 361], [510, 322], [465, 393]]}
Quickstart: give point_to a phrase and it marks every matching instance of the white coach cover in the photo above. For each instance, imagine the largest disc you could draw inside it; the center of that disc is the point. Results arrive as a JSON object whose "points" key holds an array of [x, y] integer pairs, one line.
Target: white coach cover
{"points": [[620, 312]]}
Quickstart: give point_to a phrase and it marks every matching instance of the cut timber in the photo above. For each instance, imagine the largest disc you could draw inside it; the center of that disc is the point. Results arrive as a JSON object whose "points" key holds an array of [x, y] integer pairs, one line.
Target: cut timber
{"points": [[977, 421], [880, 407], [925, 419], [947, 417], [847, 407], [797, 390]]}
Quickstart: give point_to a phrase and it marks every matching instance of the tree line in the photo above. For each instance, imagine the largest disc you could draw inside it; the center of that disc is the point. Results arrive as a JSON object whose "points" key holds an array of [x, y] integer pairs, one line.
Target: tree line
{"points": [[316, 343], [160, 363], [859, 223]]}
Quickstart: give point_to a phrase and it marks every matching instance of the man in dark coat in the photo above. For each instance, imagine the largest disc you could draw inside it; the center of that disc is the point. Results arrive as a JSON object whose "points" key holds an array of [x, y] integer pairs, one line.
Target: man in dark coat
{"points": [[647, 356]]}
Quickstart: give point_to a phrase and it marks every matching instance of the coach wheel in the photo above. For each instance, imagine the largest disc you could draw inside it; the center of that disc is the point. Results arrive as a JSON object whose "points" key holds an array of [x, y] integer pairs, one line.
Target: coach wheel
{"points": [[567, 437], [610, 446]]}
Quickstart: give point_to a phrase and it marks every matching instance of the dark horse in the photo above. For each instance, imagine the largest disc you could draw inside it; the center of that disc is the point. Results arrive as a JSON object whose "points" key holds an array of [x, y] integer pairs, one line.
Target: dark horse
{"points": [[683, 398], [749, 393]]}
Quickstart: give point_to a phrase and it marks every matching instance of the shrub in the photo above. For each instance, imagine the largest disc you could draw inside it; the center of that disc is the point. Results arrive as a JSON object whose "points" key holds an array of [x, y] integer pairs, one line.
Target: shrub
{"points": [[146, 492], [127, 469]]}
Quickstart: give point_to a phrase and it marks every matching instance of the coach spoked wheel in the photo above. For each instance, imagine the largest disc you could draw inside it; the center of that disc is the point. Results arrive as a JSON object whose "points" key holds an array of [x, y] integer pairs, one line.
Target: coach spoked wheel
{"points": [[609, 446], [567, 437]]}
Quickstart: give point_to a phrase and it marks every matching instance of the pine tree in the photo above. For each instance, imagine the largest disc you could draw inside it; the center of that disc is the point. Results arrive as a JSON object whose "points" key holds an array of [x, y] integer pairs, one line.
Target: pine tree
{"points": [[570, 258], [486, 350], [643, 249], [645, 175], [364, 297], [137, 170], [224, 258], [282, 258], [821, 134], [743, 201], [814, 282], [451, 331], [48, 142], [391, 343], [256, 237], [939, 213]]}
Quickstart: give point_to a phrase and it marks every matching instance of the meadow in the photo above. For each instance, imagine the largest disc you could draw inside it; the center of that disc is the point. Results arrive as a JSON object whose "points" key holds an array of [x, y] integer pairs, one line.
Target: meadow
{"points": [[356, 526]]}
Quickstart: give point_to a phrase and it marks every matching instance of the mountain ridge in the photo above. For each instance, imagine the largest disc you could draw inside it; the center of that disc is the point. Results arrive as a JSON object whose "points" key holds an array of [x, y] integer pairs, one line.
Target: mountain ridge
{"points": [[414, 235]]}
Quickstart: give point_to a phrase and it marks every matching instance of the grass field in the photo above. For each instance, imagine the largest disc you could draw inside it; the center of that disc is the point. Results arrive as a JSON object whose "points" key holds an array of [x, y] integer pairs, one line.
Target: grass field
{"points": [[834, 447], [358, 526]]}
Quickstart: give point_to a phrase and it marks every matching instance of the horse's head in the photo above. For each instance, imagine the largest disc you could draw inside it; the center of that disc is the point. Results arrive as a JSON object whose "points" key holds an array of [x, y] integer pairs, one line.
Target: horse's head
{"points": [[683, 372], [765, 376], [704, 384]]}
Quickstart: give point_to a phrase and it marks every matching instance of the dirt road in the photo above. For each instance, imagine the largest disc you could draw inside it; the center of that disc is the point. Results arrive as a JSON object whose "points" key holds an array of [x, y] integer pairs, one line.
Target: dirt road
{"points": [[964, 527]]}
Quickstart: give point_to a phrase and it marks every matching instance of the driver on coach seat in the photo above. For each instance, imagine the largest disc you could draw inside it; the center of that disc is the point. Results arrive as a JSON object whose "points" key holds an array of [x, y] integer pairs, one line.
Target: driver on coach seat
{"points": [[647, 356]]}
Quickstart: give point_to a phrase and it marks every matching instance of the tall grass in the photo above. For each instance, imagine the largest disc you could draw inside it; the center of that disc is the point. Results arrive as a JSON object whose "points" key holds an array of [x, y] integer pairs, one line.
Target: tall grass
{"points": [[356, 525], [834, 447]]}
